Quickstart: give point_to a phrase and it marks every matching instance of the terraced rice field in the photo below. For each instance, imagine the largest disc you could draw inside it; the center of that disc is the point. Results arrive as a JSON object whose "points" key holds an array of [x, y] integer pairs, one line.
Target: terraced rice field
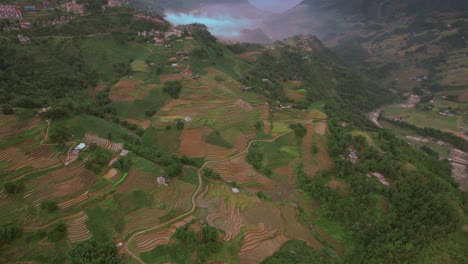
{"points": [[177, 196], [148, 241], [77, 230], [10, 125], [138, 180], [259, 244], [37, 157], [60, 185], [216, 192], [103, 143], [77, 200], [143, 218], [226, 218], [238, 170]]}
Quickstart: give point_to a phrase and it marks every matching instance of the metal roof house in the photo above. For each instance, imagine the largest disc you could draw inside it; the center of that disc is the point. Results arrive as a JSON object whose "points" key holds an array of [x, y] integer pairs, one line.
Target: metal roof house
{"points": [[80, 146]]}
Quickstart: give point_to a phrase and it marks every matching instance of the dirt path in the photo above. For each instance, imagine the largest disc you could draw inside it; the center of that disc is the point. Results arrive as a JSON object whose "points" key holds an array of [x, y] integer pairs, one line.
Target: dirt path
{"points": [[46, 136], [200, 185]]}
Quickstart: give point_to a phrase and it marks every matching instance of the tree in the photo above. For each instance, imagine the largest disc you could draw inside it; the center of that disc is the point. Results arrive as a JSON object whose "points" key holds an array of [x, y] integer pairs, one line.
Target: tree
{"points": [[173, 88], [57, 232], [8, 233], [60, 134], [7, 109], [90, 252], [49, 205], [123, 163], [14, 187]]}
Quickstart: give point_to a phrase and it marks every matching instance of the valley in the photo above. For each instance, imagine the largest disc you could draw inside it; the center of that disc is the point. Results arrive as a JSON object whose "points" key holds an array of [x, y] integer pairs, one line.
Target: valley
{"points": [[125, 139]]}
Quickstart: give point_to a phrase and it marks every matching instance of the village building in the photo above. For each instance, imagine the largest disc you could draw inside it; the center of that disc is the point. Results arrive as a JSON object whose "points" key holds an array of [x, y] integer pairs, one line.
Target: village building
{"points": [[80, 146], [235, 190], [10, 12], [161, 180], [114, 3], [379, 177], [353, 156], [73, 7], [158, 41], [75, 152], [172, 60], [123, 153], [22, 39], [25, 25], [148, 18]]}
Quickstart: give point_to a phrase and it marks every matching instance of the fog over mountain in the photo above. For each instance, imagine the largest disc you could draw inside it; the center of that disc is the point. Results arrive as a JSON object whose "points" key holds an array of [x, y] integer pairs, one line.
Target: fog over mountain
{"points": [[278, 19]]}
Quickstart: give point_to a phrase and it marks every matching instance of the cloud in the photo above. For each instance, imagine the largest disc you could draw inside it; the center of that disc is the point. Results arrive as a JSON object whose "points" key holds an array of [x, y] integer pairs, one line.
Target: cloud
{"points": [[275, 6], [223, 25]]}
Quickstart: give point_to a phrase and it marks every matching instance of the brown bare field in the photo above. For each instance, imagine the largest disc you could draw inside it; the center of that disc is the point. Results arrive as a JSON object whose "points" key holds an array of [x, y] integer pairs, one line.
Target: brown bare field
{"points": [[148, 241], [464, 96], [193, 141], [77, 230], [338, 185], [216, 153], [226, 218], [138, 180], [143, 218], [321, 128], [259, 244], [82, 198], [294, 95], [171, 77], [60, 185], [10, 125], [111, 173], [248, 55], [264, 214], [173, 103], [103, 143], [144, 124], [38, 157], [124, 91], [243, 105], [177, 195], [237, 169]]}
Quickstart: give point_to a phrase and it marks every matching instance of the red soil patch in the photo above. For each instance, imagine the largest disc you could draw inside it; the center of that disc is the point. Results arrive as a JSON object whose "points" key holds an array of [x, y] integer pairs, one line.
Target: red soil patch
{"points": [[264, 214], [172, 103], [137, 180], [193, 142], [171, 77], [238, 170], [247, 55], [244, 105], [144, 124], [464, 96], [111, 173], [124, 91], [294, 95]]}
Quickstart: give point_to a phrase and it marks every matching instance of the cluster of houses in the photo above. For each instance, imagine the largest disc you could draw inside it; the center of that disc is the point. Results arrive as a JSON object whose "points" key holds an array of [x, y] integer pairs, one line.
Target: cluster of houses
{"points": [[10, 12], [353, 156], [114, 3], [149, 18], [73, 7], [160, 37], [78, 149]]}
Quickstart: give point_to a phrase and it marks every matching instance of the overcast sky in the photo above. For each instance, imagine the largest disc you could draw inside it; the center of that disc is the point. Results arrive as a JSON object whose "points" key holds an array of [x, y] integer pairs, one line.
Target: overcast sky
{"points": [[276, 6]]}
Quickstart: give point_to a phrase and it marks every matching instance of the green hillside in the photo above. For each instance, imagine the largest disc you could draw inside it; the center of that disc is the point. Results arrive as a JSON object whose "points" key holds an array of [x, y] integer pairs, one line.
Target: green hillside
{"points": [[201, 152]]}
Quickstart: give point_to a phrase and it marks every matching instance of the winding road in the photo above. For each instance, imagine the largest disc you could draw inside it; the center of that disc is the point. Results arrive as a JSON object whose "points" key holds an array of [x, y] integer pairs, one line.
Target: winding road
{"points": [[200, 185]]}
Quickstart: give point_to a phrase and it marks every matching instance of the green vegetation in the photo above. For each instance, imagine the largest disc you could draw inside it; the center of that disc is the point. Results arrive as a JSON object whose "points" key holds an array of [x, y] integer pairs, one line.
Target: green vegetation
{"points": [[57, 232], [121, 180], [98, 160], [210, 173], [49, 205], [8, 233], [13, 187], [295, 251], [173, 88], [90, 252], [215, 138]]}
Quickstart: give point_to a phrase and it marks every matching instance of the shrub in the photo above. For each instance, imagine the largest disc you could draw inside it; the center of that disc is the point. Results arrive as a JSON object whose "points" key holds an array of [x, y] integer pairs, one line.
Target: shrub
{"points": [[173, 88], [49, 205]]}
